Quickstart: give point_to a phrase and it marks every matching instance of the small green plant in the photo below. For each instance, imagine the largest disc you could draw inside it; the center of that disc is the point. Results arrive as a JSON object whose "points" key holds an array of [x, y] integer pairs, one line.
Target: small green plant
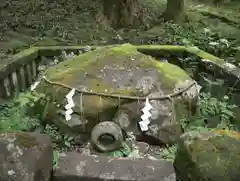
{"points": [[14, 117], [212, 113], [210, 41], [68, 141], [55, 158], [53, 132], [169, 152], [61, 140], [124, 151]]}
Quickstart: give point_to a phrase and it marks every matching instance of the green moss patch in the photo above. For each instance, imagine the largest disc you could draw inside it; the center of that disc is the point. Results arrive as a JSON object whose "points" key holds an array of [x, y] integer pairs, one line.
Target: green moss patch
{"points": [[208, 155], [25, 140]]}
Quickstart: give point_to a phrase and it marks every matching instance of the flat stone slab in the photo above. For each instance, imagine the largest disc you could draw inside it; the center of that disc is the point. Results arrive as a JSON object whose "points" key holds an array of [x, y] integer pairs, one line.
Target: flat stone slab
{"points": [[76, 167], [25, 156]]}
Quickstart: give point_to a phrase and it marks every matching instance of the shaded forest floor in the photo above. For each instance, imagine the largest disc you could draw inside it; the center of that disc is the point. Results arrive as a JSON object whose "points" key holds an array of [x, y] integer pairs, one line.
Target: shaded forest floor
{"points": [[29, 23]]}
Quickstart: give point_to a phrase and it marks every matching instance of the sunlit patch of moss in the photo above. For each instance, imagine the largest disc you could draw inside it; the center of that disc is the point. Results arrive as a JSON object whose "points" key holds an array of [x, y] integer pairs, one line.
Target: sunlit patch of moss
{"points": [[226, 132], [75, 64], [204, 55], [172, 72], [125, 50], [172, 48], [65, 71]]}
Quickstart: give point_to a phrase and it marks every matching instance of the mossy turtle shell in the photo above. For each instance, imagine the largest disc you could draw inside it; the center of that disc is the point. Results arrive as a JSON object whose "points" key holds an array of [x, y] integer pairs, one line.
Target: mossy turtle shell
{"points": [[121, 70]]}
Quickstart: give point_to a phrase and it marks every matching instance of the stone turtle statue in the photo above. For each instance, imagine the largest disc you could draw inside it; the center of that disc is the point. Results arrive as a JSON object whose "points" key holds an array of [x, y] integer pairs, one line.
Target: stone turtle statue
{"points": [[111, 85]]}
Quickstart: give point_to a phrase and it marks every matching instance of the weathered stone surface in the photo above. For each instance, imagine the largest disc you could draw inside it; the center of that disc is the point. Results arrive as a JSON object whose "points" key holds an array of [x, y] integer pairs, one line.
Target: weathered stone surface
{"points": [[23, 58], [25, 157], [75, 167], [211, 156], [142, 147], [123, 71]]}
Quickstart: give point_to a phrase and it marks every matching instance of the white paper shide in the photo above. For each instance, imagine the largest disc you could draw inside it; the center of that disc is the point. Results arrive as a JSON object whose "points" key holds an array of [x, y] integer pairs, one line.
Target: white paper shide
{"points": [[34, 86], [146, 115], [70, 105]]}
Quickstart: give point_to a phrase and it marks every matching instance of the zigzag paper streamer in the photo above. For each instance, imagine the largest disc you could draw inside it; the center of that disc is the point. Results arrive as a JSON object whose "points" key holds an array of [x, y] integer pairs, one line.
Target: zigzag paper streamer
{"points": [[70, 105], [146, 115]]}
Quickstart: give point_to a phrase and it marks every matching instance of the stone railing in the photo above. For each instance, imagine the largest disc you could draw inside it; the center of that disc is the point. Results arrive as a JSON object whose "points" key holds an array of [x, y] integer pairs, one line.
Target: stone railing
{"points": [[20, 71], [207, 62], [17, 73]]}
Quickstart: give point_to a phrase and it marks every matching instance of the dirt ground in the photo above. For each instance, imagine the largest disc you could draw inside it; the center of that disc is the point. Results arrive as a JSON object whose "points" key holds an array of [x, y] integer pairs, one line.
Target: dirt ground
{"points": [[27, 23]]}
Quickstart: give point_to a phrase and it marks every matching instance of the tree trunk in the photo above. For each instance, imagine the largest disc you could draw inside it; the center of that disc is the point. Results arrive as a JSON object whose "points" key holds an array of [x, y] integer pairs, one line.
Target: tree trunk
{"points": [[174, 10], [120, 13]]}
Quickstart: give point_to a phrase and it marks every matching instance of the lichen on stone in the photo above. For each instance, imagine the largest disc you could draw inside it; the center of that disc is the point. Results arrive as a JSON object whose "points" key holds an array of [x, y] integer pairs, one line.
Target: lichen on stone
{"points": [[210, 155], [25, 140], [118, 70]]}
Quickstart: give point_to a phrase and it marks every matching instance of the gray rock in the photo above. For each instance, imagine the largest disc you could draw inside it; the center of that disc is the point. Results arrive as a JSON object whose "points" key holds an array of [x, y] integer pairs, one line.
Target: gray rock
{"points": [[74, 167], [141, 146], [25, 157], [210, 155]]}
